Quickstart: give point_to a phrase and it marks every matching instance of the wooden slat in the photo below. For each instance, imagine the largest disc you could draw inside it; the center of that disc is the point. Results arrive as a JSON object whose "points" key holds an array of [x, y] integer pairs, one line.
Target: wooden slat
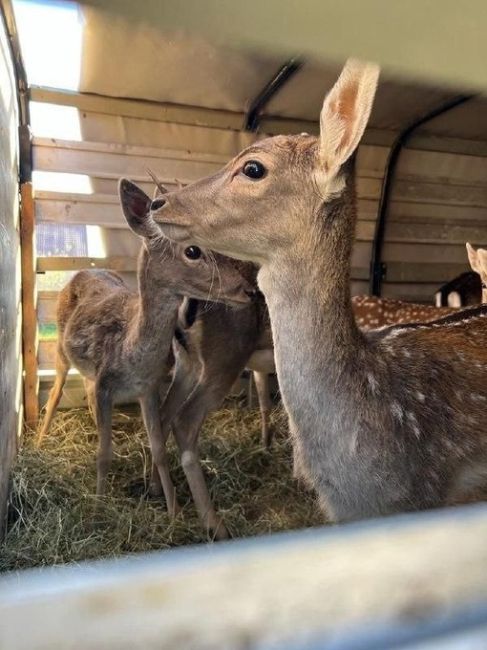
{"points": [[422, 272], [368, 188], [29, 320], [417, 252], [113, 263], [114, 160], [444, 168], [46, 307], [46, 354], [84, 209], [409, 212], [440, 194], [444, 235], [126, 150]]}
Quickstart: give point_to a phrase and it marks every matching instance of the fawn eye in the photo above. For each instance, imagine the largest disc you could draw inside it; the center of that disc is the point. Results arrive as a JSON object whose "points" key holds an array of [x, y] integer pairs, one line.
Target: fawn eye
{"points": [[254, 169], [157, 204], [192, 252]]}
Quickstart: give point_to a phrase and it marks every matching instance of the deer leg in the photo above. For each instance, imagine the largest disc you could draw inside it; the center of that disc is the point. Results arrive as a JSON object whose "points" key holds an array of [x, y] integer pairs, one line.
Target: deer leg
{"points": [[90, 397], [185, 379], [158, 434], [62, 367], [187, 430], [262, 385], [103, 416]]}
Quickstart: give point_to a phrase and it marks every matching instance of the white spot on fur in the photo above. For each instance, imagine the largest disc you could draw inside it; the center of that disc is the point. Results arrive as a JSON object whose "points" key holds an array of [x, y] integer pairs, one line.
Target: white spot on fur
{"points": [[373, 383], [397, 411], [478, 398], [421, 397]]}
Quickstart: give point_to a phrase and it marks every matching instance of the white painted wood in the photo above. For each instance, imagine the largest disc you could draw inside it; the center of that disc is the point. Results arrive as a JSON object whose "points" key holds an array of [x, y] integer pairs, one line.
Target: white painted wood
{"points": [[301, 590]]}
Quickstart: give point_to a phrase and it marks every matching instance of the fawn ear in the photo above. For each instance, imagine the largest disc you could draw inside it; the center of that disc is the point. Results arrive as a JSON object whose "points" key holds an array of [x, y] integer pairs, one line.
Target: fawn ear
{"points": [[136, 209], [345, 113], [473, 258], [482, 260]]}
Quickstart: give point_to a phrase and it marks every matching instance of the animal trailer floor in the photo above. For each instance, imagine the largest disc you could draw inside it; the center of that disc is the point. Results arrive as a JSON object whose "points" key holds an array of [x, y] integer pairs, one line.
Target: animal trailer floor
{"points": [[55, 518]]}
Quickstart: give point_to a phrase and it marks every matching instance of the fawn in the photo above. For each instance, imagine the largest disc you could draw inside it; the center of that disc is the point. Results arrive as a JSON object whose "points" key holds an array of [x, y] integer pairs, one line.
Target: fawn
{"points": [[119, 340], [382, 423], [209, 357]]}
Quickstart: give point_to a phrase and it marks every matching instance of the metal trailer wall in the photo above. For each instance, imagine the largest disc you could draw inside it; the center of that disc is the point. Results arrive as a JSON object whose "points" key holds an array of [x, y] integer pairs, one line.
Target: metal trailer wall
{"points": [[10, 272]]}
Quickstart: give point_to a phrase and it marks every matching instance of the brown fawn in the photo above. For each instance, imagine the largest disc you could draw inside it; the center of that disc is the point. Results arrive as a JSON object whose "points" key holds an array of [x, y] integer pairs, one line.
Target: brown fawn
{"points": [[382, 423], [119, 340]]}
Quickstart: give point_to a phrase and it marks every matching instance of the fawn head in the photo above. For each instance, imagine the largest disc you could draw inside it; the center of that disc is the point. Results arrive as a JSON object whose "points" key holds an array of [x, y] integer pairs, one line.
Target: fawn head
{"points": [[187, 270], [478, 262], [261, 203]]}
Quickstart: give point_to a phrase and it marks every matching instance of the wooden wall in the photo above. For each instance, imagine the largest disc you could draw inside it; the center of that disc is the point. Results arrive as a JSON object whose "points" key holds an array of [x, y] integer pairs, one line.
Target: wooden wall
{"points": [[10, 306], [438, 202]]}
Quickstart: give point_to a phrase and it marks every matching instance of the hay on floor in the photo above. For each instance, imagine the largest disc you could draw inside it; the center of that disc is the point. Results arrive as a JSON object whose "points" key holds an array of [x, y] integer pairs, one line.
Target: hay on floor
{"points": [[55, 518]]}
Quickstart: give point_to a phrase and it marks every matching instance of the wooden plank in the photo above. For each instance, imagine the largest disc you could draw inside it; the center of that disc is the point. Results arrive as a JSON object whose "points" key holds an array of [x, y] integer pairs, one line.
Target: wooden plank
{"points": [[422, 272], [113, 263], [46, 355], [135, 151], [371, 161], [425, 192], [447, 144], [115, 160], [417, 252], [29, 319], [419, 233], [369, 189], [444, 168], [84, 209], [407, 211], [376, 570], [46, 307]]}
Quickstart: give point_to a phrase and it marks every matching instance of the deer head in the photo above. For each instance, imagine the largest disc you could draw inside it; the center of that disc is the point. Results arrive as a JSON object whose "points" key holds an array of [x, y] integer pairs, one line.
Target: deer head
{"points": [[187, 270], [478, 262], [261, 203]]}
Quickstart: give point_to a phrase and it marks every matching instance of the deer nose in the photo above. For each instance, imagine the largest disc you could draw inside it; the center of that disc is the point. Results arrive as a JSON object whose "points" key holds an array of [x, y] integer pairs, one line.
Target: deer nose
{"points": [[157, 204]]}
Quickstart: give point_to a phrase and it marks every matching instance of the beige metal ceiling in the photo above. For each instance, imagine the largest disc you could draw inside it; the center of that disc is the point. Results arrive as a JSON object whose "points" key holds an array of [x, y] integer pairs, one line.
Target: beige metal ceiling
{"points": [[124, 56]]}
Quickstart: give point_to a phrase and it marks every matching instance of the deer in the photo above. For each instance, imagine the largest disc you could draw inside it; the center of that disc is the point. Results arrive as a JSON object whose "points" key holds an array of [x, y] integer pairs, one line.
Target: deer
{"points": [[462, 291], [119, 340], [383, 422], [210, 353], [372, 312], [478, 262]]}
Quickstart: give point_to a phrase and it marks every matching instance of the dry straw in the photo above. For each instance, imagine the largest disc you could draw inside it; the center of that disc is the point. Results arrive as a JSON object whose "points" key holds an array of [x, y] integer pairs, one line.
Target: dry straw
{"points": [[54, 517]]}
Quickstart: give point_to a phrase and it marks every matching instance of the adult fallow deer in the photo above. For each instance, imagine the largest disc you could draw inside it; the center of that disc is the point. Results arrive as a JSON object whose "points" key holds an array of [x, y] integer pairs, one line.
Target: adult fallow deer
{"points": [[384, 423]]}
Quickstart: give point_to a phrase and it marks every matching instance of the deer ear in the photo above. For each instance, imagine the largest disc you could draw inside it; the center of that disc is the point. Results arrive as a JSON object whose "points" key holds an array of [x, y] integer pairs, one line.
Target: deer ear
{"points": [[482, 260], [473, 258], [345, 113], [136, 209]]}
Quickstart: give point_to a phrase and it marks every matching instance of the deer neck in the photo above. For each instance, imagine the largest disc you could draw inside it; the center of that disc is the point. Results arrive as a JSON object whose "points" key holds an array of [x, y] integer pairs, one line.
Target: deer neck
{"points": [[315, 336], [155, 315]]}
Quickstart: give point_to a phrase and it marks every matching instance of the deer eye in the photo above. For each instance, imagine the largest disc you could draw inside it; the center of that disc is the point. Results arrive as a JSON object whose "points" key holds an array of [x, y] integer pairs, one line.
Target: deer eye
{"points": [[254, 169], [192, 252]]}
